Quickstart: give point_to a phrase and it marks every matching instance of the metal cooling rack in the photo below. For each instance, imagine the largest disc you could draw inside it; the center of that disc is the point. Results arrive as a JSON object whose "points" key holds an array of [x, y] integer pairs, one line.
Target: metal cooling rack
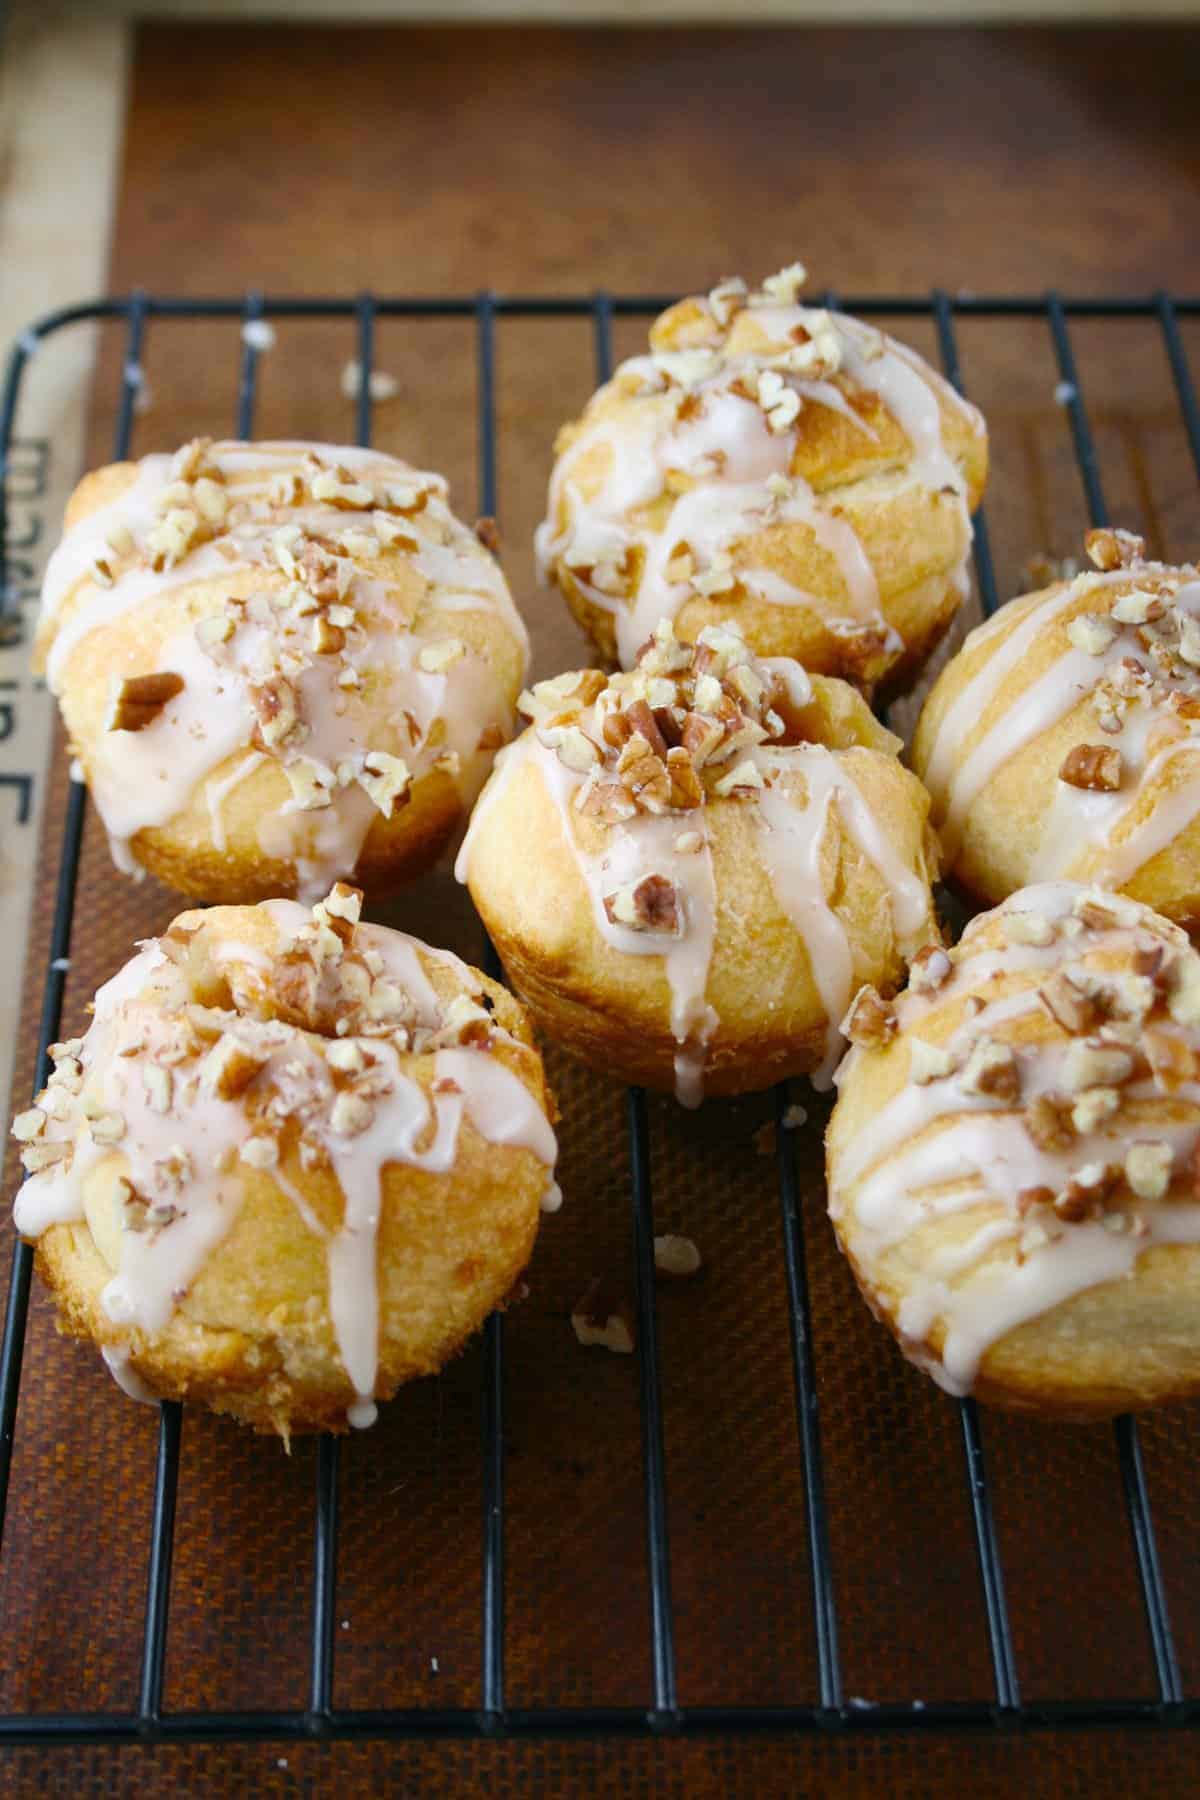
{"points": [[317, 1715]]}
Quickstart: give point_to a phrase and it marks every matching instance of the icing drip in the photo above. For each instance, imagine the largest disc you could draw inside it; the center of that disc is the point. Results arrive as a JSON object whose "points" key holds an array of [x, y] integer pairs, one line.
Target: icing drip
{"points": [[705, 417], [218, 791], [127, 1379], [641, 847], [945, 1147], [793, 831], [365, 673], [155, 1168]]}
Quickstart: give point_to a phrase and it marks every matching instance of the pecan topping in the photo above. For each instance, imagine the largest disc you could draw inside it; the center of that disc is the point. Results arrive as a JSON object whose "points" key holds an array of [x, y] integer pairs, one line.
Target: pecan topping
{"points": [[929, 1062], [1092, 633], [676, 1257], [871, 1020], [604, 1318], [135, 701], [488, 533], [1068, 1005], [1172, 1062], [930, 969], [643, 722], [275, 708], [230, 1067], [1109, 548], [386, 780], [1096, 766], [1089, 1065], [1049, 1122], [1148, 1169], [650, 905], [991, 1068]]}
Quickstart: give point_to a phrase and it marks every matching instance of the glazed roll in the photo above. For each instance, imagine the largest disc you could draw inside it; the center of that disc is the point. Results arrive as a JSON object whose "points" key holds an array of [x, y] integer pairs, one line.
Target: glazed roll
{"points": [[1012, 1158], [689, 868], [778, 466], [1064, 738], [278, 665], [294, 1161]]}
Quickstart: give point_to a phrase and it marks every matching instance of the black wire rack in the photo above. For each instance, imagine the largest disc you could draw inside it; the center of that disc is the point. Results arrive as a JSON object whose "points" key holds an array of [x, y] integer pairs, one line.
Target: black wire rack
{"points": [[318, 1716]]}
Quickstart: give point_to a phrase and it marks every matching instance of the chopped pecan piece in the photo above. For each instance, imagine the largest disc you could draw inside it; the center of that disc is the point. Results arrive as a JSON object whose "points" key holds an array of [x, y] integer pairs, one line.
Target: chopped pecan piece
{"points": [[230, 1067], [1148, 1169], [386, 780], [1092, 633], [651, 904], [275, 707], [701, 736], [1028, 928], [686, 791], [871, 1020], [929, 970], [340, 910], [1049, 1123], [1095, 766], [350, 1114], [327, 639], [29, 1125], [1172, 1061], [676, 1257], [135, 701], [644, 774], [604, 1318], [642, 721], [607, 801], [929, 1062], [1089, 1065], [1068, 1005], [1093, 1107], [991, 1069], [488, 533], [1109, 548]]}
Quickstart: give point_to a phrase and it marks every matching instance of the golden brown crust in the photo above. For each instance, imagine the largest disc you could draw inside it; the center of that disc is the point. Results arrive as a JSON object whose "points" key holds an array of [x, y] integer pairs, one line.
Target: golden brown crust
{"points": [[862, 474], [253, 1335], [1125, 1341], [614, 1009], [213, 845], [1020, 825]]}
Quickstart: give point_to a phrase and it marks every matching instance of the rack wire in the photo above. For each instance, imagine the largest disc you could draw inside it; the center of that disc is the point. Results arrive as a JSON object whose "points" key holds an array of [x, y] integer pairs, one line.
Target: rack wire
{"points": [[320, 1716]]}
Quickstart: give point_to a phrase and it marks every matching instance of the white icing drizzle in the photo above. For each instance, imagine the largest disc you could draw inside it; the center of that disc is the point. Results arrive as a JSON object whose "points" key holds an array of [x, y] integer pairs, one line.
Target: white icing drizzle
{"points": [[937, 1151], [371, 693], [180, 1159], [1082, 827], [791, 839], [216, 793], [725, 444]]}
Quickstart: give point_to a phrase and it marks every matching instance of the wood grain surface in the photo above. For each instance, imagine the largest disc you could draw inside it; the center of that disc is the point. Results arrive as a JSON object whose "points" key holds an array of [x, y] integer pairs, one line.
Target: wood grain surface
{"points": [[422, 161]]}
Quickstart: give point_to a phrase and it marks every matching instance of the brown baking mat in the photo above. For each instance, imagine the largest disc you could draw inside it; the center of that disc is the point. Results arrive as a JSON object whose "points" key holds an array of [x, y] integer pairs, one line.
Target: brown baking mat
{"points": [[909, 1603]]}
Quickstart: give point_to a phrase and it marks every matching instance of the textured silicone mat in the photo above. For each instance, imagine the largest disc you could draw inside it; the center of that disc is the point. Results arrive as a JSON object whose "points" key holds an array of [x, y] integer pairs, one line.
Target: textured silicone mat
{"points": [[910, 1609]]}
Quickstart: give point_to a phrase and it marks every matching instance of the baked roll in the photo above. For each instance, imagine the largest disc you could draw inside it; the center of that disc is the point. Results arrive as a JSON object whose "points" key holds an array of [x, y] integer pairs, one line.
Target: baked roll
{"points": [[780, 466], [689, 868], [1064, 738], [278, 664], [294, 1161], [1012, 1158]]}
